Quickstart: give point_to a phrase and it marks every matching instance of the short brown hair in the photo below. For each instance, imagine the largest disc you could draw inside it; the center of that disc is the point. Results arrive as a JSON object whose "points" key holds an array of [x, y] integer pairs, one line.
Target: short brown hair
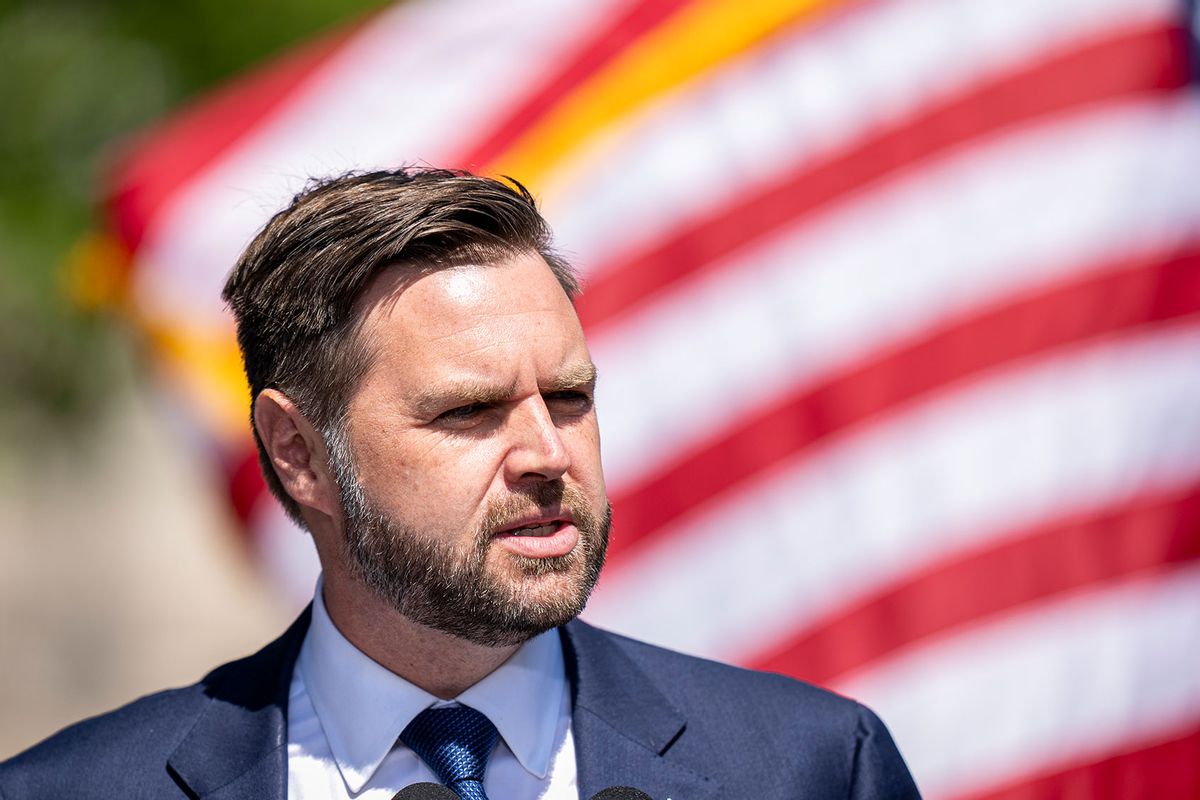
{"points": [[294, 288]]}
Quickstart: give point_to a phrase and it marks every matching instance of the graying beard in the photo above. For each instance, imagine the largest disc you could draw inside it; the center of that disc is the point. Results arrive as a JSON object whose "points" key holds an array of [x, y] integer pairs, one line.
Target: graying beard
{"points": [[451, 594]]}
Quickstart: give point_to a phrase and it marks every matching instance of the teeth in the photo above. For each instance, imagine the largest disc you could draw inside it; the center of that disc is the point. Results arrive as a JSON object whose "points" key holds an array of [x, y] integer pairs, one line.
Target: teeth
{"points": [[535, 530]]}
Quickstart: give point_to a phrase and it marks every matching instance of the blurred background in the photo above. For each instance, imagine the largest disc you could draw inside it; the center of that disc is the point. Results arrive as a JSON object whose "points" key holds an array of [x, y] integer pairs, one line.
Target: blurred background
{"points": [[122, 566], [896, 305]]}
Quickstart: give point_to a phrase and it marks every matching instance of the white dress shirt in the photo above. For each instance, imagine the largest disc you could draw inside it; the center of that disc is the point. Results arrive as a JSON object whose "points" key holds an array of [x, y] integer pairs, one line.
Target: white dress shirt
{"points": [[345, 713]]}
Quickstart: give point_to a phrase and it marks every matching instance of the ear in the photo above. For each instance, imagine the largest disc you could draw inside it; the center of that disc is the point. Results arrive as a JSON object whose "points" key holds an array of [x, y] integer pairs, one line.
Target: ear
{"points": [[297, 452]]}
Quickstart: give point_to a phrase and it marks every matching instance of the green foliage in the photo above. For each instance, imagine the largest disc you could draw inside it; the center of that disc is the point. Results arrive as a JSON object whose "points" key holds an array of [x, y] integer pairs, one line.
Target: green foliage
{"points": [[76, 77]]}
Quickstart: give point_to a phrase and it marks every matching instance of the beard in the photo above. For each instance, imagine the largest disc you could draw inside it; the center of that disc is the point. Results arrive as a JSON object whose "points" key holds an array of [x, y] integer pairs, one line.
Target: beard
{"points": [[434, 581]]}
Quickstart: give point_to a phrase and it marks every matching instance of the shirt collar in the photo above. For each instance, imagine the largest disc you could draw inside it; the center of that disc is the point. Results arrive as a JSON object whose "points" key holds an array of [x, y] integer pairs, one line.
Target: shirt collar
{"points": [[363, 706]]}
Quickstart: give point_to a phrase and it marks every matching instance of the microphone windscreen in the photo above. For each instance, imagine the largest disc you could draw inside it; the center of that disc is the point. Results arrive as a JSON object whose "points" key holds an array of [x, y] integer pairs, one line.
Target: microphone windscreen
{"points": [[425, 791], [621, 793]]}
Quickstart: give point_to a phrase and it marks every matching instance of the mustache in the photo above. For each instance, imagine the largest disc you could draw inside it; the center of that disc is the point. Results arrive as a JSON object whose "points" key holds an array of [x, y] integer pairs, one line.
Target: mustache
{"points": [[551, 497]]}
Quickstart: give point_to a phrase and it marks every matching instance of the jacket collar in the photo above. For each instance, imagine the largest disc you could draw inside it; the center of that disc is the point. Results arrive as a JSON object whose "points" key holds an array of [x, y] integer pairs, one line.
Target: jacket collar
{"points": [[238, 746], [626, 732]]}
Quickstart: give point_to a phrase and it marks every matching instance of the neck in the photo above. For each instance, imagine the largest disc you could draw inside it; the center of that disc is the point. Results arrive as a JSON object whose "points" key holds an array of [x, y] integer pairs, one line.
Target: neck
{"points": [[441, 664]]}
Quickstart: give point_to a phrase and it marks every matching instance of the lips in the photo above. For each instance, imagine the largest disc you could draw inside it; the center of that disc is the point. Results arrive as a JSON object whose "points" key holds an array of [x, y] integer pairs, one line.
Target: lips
{"points": [[539, 538], [541, 527]]}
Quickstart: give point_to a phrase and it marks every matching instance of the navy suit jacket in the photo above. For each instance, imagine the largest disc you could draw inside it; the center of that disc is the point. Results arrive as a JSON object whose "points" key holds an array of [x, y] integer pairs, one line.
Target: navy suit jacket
{"points": [[671, 725]]}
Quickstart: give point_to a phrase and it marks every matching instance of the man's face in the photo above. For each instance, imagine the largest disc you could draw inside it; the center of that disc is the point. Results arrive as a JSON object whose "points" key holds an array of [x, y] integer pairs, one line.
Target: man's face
{"points": [[475, 501]]}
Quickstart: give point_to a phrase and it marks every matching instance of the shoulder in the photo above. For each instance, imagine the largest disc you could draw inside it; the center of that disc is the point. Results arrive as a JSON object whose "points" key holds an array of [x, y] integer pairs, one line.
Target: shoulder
{"points": [[102, 751], [125, 752], [722, 691], [740, 722]]}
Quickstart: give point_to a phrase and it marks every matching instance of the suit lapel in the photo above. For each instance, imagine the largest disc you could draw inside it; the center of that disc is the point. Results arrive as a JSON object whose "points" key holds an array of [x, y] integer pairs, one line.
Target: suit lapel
{"points": [[624, 728], [238, 746]]}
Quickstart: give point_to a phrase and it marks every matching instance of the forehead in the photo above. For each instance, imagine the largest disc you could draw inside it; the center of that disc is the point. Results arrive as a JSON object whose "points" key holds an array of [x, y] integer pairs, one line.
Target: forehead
{"points": [[501, 318]]}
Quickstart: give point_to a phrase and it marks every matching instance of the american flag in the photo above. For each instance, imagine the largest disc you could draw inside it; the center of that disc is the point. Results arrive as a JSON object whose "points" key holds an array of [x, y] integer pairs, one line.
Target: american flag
{"points": [[896, 305]]}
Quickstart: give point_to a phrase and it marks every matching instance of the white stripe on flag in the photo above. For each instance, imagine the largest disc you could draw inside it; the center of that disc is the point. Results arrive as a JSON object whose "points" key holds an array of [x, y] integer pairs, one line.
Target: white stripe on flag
{"points": [[798, 97], [1066, 433], [1081, 191], [1069, 680]]}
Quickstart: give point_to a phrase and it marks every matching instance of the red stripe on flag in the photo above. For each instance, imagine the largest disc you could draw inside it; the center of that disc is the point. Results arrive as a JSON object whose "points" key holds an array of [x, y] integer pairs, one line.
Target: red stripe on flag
{"points": [[158, 163], [638, 19], [1055, 557], [1168, 769], [1123, 296], [1135, 63]]}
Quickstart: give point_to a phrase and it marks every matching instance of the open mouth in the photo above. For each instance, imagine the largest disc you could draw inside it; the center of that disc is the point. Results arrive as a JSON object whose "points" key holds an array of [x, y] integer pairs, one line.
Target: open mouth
{"points": [[537, 529], [551, 537]]}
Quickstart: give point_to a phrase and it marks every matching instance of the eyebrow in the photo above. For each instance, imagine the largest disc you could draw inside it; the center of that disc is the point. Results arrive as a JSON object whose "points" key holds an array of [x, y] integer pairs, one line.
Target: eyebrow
{"points": [[582, 373], [433, 400]]}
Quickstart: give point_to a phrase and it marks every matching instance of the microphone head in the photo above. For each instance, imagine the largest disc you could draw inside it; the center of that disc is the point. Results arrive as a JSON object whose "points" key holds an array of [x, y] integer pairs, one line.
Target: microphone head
{"points": [[425, 791], [621, 793]]}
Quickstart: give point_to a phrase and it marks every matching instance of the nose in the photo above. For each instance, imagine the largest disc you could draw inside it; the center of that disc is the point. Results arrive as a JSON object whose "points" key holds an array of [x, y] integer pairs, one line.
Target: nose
{"points": [[536, 451]]}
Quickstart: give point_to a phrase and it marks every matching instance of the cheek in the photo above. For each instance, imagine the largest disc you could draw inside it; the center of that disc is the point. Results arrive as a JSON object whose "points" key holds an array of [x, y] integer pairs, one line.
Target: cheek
{"points": [[383, 464], [400, 473], [585, 444], [454, 479]]}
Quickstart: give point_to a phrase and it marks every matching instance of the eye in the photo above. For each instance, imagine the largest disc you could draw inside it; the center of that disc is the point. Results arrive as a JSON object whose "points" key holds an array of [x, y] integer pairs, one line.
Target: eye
{"points": [[463, 416], [571, 401]]}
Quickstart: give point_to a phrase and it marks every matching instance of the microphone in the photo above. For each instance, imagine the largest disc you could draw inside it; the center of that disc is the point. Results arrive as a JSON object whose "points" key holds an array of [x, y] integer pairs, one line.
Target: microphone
{"points": [[621, 793], [425, 791]]}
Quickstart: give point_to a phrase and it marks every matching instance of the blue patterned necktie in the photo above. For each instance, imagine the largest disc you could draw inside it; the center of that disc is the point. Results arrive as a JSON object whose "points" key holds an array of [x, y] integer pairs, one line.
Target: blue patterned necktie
{"points": [[455, 741]]}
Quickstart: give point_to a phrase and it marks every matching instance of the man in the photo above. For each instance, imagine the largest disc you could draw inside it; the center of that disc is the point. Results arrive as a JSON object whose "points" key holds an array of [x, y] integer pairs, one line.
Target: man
{"points": [[423, 405]]}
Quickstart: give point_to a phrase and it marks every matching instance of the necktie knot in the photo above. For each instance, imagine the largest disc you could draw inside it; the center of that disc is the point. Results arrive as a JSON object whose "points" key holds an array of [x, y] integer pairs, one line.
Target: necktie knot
{"points": [[455, 741]]}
